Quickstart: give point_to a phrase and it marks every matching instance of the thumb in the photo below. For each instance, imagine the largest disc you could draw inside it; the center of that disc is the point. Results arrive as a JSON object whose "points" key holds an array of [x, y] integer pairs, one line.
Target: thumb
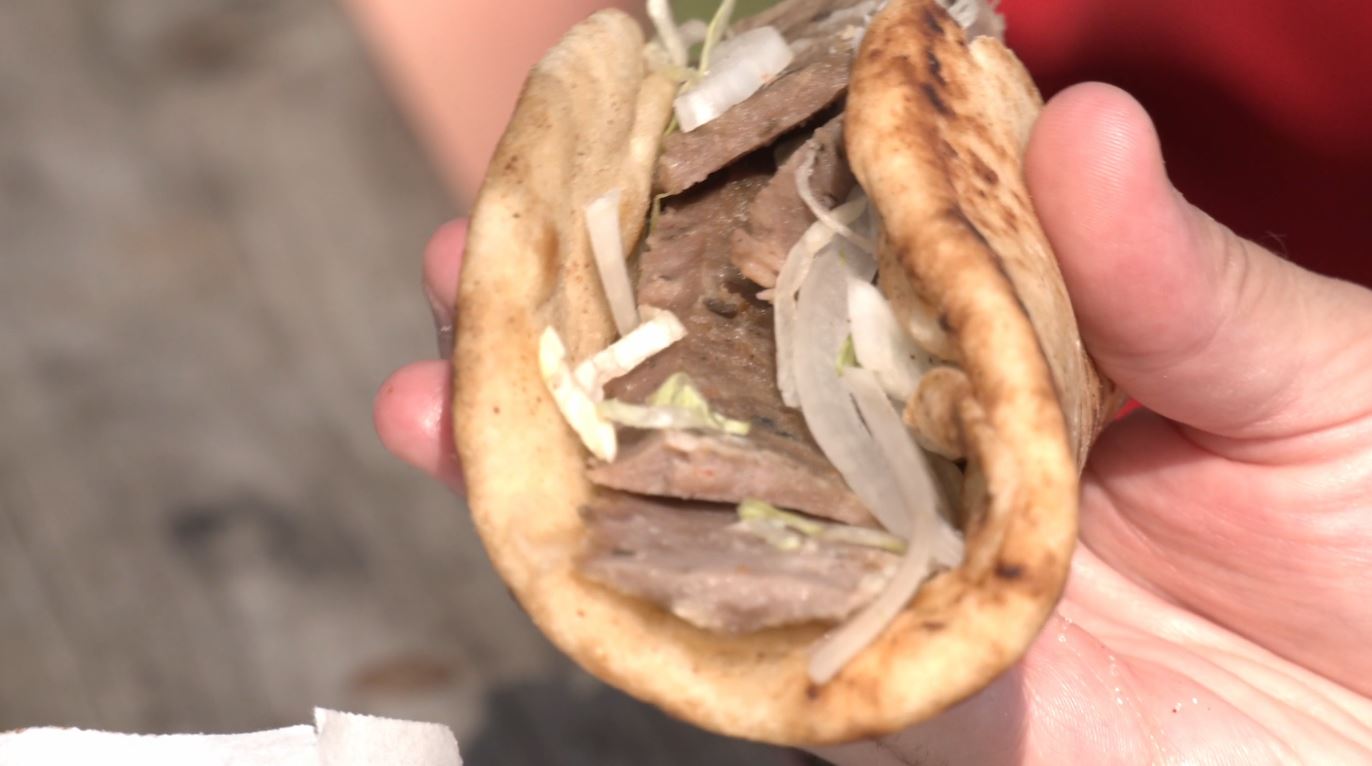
{"points": [[1198, 324]]}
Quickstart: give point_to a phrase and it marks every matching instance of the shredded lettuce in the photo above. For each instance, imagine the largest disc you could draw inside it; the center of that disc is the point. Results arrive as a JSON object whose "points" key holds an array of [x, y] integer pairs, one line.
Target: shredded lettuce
{"points": [[640, 416], [656, 211], [777, 535], [573, 401], [759, 516], [847, 356], [718, 24], [678, 391], [677, 404], [659, 329], [761, 510]]}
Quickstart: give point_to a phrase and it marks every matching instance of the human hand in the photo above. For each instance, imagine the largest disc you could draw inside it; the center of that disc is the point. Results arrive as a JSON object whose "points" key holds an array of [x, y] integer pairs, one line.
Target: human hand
{"points": [[412, 411], [1214, 611]]}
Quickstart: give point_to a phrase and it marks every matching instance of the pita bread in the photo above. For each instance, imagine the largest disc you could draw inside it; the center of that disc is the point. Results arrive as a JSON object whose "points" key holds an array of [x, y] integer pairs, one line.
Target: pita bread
{"points": [[936, 129], [589, 120]]}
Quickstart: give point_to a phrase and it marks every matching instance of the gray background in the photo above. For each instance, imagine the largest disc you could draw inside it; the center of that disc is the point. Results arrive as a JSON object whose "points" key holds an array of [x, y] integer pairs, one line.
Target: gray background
{"points": [[211, 218]]}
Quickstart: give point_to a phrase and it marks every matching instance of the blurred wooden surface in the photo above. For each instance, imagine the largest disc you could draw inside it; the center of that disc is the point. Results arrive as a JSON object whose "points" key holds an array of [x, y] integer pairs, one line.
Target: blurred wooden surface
{"points": [[211, 219]]}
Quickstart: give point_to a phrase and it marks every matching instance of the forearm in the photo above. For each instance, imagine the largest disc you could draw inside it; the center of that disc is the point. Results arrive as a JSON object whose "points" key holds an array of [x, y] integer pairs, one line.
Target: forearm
{"points": [[455, 67]]}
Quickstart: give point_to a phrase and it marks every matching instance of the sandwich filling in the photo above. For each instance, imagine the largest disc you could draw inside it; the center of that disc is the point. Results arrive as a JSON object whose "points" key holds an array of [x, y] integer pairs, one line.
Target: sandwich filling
{"points": [[752, 466]]}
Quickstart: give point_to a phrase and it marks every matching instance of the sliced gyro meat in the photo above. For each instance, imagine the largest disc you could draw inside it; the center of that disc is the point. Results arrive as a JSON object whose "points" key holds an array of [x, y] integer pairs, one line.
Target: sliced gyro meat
{"points": [[778, 216], [702, 564]]}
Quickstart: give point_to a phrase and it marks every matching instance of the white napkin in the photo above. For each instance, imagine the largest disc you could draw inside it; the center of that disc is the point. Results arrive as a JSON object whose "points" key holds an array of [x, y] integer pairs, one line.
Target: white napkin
{"points": [[336, 739]]}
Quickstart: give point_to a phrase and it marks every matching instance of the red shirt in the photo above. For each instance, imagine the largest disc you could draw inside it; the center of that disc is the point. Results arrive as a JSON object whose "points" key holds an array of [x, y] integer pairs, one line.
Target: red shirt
{"points": [[1264, 107]]}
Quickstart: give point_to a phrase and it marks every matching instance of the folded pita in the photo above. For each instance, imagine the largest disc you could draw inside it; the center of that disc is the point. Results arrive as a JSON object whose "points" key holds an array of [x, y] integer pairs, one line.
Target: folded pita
{"points": [[935, 129]]}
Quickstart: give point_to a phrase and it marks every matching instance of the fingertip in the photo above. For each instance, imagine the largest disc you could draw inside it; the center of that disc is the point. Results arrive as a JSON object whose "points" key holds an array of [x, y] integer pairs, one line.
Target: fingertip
{"points": [[1097, 123], [443, 263], [1094, 166], [411, 414], [1172, 305], [1122, 234]]}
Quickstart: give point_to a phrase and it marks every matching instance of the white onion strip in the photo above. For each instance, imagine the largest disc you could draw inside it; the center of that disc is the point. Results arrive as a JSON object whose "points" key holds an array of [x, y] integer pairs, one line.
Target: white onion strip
{"points": [[918, 486], [835, 651], [821, 328], [821, 213], [930, 537], [597, 433], [740, 68], [882, 345], [660, 329], [602, 224], [789, 279], [661, 15]]}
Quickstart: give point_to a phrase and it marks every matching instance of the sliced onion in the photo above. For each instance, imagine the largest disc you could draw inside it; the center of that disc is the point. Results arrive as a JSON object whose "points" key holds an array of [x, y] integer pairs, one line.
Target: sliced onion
{"points": [[573, 401], [838, 648], [740, 68], [820, 329], [660, 12], [793, 272], [918, 485], [882, 345], [931, 539], [821, 213], [602, 224], [660, 329]]}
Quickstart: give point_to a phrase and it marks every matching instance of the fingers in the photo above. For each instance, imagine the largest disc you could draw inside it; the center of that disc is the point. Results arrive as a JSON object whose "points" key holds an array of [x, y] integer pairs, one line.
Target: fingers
{"points": [[1277, 553], [1196, 323], [442, 266], [412, 416], [1253, 515], [411, 410]]}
